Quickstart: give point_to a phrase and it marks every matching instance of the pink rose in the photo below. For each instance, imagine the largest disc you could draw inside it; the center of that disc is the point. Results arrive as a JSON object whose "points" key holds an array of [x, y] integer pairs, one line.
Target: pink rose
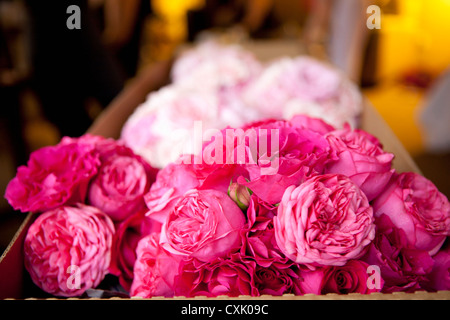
{"points": [[293, 155], [415, 205], [439, 277], [361, 158], [121, 183], [259, 235], [278, 279], [303, 85], [128, 233], [68, 249], [402, 267], [313, 124], [204, 224], [350, 278], [154, 270], [54, 176], [231, 276], [171, 183], [327, 220]]}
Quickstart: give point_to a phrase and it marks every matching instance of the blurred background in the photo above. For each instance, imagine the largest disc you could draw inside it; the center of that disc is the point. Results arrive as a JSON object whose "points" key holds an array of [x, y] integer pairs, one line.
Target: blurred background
{"points": [[55, 79]]}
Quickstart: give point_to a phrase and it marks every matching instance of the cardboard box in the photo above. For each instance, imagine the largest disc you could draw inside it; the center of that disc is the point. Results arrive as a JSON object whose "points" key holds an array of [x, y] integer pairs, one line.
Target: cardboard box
{"points": [[14, 279]]}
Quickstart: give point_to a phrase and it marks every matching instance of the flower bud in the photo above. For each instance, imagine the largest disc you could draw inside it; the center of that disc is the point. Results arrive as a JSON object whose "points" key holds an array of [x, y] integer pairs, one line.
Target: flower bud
{"points": [[239, 194]]}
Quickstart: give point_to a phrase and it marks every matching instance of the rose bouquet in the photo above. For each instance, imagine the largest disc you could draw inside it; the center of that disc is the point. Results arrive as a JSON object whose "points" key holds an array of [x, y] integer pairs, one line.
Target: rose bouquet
{"points": [[271, 207], [225, 85]]}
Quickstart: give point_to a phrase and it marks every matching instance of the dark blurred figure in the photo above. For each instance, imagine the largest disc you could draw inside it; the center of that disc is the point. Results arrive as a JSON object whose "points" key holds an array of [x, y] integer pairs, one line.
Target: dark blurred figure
{"points": [[122, 25], [70, 65], [256, 17], [14, 73]]}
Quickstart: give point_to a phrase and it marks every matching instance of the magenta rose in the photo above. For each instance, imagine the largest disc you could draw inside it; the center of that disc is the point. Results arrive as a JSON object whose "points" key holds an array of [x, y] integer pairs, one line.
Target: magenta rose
{"points": [[362, 158], [439, 277], [154, 270], [204, 224], [415, 205], [232, 276], [278, 279], [258, 237], [54, 176], [313, 124], [121, 183], [402, 267], [68, 249], [128, 233], [353, 277], [327, 220], [286, 156]]}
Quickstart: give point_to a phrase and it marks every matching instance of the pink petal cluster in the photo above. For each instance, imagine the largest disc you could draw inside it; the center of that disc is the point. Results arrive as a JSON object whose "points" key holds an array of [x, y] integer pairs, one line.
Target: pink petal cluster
{"points": [[85, 178], [68, 249]]}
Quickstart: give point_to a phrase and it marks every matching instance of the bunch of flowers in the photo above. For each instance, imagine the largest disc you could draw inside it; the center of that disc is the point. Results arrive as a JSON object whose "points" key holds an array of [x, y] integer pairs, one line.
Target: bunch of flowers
{"points": [[292, 206], [226, 85], [88, 193], [272, 207]]}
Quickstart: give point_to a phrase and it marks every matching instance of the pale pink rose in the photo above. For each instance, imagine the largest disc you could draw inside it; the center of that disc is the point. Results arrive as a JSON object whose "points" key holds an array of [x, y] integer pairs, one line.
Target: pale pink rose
{"points": [[215, 66], [68, 249], [204, 224], [303, 85], [415, 205], [154, 270], [54, 176], [327, 220], [231, 276], [361, 157], [128, 233], [176, 119]]}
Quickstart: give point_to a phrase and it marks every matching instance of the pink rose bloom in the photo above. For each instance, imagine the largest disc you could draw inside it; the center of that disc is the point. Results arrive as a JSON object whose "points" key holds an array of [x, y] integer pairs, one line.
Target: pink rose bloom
{"points": [[350, 278], [310, 123], [154, 270], [415, 205], [259, 236], [128, 233], [171, 183], [402, 267], [278, 279], [303, 85], [233, 276], [327, 220], [204, 224], [296, 155], [176, 118], [54, 176], [439, 277], [68, 249], [361, 158], [120, 185]]}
